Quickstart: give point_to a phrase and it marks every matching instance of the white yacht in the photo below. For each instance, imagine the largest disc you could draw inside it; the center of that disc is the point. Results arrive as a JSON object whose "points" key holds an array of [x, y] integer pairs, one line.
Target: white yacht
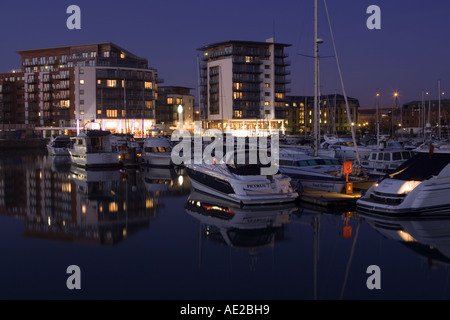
{"points": [[382, 162], [95, 148], [156, 151], [343, 149], [59, 145], [238, 179], [421, 185], [320, 173]]}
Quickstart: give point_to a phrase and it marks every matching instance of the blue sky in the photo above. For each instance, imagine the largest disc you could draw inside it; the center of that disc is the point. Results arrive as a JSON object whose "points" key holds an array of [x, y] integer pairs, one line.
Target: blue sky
{"points": [[409, 54]]}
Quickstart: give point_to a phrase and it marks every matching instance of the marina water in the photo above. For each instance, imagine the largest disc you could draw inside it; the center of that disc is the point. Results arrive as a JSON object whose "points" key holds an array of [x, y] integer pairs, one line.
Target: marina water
{"points": [[142, 233]]}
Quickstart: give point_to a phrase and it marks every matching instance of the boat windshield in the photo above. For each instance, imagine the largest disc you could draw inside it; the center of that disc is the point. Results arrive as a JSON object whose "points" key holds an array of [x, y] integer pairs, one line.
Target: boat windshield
{"points": [[244, 164], [422, 166]]}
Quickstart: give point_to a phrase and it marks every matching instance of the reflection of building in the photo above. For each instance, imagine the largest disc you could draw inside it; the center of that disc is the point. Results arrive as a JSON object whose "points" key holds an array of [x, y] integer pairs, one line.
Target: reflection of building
{"points": [[62, 203], [66, 87], [243, 84], [169, 98]]}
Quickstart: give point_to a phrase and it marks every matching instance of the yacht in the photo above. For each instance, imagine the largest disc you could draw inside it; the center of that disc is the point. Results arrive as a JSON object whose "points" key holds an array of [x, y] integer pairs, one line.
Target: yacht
{"points": [[236, 178], [59, 145], [95, 148], [320, 173], [156, 151], [382, 162], [343, 149], [421, 185]]}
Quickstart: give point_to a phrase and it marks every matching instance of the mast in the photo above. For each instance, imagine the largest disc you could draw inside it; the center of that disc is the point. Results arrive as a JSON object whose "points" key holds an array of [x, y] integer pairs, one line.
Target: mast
{"points": [[317, 41]]}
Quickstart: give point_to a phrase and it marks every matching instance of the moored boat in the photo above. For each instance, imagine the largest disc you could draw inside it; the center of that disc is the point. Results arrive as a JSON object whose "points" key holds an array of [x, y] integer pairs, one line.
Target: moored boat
{"points": [[95, 148], [236, 178], [421, 186]]}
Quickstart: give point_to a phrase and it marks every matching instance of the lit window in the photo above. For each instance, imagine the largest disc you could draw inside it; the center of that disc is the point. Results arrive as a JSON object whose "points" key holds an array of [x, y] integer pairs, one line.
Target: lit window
{"points": [[148, 104], [148, 85], [64, 103], [111, 113], [122, 55], [111, 83], [99, 81], [81, 81], [169, 100]]}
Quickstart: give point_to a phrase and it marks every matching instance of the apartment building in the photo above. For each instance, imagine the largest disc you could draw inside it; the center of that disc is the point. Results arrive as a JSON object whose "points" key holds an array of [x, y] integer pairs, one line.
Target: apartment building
{"points": [[84, 86], [243, 84], [168, 111]]}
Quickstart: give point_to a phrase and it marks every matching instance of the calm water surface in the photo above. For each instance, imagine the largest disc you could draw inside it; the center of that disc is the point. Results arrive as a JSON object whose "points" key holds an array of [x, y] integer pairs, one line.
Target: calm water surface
{"points": [[144, 234]]}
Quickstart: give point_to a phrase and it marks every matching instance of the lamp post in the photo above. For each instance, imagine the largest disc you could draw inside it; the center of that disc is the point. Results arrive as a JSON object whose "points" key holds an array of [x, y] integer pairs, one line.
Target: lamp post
{"points": [[397, 108], [378, 120], [180, 117]]}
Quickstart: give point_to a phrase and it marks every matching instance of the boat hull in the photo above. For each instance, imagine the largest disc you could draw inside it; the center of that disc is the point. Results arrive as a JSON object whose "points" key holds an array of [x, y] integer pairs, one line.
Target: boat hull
{"points": [[101, 159], [224, 189]]}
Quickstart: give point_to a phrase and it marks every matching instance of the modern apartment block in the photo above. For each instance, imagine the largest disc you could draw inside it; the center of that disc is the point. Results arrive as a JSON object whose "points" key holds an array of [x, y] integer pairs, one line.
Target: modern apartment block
{"points": [[170, 98], [243, 84], [84, 86], [333, 114]]}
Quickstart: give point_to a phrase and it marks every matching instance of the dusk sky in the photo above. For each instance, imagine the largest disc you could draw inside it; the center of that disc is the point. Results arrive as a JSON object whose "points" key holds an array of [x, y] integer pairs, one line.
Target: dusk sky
{"points": [[410, 53]]}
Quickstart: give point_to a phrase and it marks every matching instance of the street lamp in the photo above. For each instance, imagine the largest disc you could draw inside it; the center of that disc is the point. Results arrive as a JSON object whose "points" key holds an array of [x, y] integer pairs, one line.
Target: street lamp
{"points": [[180, 116]]}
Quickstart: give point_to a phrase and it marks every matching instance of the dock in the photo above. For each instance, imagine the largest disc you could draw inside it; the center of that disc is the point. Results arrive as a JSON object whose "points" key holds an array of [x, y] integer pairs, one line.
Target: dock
{"points": [[329, 199]]}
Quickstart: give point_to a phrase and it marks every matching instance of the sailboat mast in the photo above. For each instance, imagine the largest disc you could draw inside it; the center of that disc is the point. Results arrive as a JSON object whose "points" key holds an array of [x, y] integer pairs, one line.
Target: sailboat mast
{"points": [[316, 83]]}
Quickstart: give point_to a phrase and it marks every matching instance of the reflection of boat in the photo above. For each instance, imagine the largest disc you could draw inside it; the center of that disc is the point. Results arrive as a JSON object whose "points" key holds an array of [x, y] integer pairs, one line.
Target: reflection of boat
{"points": [[95, 148], [158, 179], [96, 184], [156, 151], [428, 237], [421, 185], [59, 145], [248, 227], [59, 163], [236, 179]]}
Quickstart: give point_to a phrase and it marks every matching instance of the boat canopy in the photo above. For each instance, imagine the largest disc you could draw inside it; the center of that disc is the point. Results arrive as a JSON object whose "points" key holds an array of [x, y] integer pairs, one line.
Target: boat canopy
{"points": [[421, 167]]}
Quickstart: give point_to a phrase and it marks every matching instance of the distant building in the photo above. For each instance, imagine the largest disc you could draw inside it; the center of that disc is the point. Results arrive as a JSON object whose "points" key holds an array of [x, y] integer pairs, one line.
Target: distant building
{"points": [[169, 100], [299, 110], [67, 88], [415, 115], [244, 84]]}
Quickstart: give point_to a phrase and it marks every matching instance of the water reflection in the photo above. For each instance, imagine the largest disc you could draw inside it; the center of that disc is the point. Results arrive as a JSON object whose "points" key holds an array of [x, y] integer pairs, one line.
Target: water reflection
{"points": [[59, 201], [249, 228], [428, 237]]}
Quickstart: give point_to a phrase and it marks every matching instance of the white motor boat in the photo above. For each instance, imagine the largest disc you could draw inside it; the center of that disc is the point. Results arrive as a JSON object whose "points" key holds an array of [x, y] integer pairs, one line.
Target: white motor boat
{"points": [[156, 151], [343, 149], [382, 162], [95, 148], [320, 173], [59, 145], [421, 185], [238, 179]]}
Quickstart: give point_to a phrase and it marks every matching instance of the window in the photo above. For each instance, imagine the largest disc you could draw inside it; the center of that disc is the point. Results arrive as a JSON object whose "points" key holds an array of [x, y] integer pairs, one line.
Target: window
{"points": [[111, 113], [64, 103], [238, 85], [81, 81], [267, 103], [169, 100], [267, 85], [237, 95], [111, 83], [238, 113], [148, 104], [148, 85], [179, 101]]}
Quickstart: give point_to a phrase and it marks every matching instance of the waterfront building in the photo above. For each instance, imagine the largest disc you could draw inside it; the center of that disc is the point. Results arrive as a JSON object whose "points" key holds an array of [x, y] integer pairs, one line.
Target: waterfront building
{"points": [[168, 116], [244, 85], [299, 111], [89, 86]]}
